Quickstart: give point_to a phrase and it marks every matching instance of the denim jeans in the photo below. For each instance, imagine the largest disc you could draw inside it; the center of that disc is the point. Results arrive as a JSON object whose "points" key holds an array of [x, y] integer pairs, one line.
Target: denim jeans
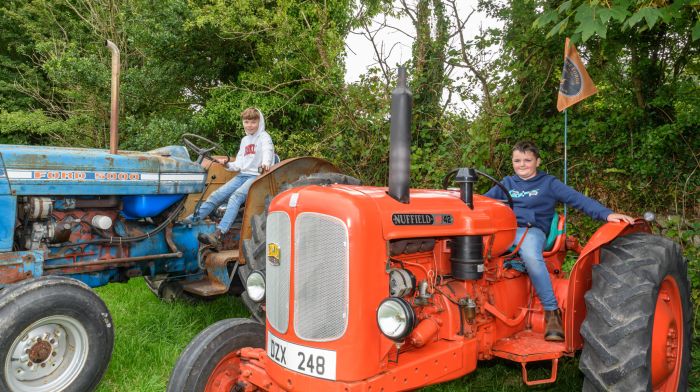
{"points": [[235, 191], [531, 255]]}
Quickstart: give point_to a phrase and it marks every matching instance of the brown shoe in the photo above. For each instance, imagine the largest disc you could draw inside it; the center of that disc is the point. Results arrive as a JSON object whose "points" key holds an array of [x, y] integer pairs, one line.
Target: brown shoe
{"points": [[213, 239], [553, 330]]}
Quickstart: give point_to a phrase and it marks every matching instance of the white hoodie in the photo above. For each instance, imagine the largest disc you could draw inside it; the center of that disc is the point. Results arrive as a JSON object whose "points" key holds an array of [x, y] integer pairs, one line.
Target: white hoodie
{"points": [[255, 150]]}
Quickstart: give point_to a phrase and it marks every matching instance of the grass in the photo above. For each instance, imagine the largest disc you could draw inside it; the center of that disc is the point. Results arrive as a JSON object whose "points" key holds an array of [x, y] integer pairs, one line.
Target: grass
{"points": [[151, 334]]}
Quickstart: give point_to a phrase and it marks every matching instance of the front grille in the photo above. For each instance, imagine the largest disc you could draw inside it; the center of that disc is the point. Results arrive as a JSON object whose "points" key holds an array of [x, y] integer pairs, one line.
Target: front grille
{"points": [[320, 277], [277, 275]]}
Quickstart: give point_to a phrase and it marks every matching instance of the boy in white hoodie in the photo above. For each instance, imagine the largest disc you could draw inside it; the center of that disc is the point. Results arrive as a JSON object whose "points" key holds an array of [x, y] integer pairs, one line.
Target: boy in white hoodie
{"points": [[256, 151]]}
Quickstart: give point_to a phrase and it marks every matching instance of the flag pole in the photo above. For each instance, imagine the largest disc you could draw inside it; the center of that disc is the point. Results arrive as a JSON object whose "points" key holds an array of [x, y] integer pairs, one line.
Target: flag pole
{"points": [[566, 121], [575, 86]]}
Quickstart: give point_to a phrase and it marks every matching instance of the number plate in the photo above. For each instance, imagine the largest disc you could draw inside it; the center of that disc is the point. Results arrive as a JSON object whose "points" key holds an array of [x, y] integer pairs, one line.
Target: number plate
{"points": [[310, 361]]}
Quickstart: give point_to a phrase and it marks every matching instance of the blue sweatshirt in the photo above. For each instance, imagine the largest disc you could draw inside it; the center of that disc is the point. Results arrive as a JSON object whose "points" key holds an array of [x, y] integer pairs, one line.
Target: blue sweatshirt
{"points": [[534, 199]]}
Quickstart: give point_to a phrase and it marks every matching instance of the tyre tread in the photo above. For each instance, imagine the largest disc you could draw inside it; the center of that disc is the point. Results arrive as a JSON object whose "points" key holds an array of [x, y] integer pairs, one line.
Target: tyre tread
{"points": [[620, 305]]}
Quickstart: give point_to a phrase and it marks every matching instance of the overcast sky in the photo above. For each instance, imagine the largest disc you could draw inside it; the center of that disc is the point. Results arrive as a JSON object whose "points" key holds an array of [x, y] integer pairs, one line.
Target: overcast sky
{"points": [[396, 42]]}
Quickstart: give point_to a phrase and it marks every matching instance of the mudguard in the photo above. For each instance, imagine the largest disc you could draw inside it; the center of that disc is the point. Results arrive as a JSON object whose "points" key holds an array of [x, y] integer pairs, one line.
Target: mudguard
{"points": [[268, 185]]}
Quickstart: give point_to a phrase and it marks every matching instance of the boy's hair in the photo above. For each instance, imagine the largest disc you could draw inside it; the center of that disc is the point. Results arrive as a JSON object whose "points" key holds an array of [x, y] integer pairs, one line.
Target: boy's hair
{"points": [[250, 114], [525, 146]]}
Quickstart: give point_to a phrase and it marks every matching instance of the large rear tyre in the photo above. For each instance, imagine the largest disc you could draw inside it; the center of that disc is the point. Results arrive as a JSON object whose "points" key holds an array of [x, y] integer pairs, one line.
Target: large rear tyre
{"points": [[211, 361], [254, 248], [56, 334], [637, 330]]}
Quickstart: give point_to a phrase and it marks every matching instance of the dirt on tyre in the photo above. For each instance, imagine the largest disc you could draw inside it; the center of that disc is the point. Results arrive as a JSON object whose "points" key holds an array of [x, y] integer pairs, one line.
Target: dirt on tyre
{"points": [[56, 334], [637, 330], [211, 361], [254, 248]]}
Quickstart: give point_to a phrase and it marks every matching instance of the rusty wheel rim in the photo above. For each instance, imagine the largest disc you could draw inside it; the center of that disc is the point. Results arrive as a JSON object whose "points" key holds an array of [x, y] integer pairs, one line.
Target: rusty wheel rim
{"points": [[667, 338], [47, 356], [225, 374]]}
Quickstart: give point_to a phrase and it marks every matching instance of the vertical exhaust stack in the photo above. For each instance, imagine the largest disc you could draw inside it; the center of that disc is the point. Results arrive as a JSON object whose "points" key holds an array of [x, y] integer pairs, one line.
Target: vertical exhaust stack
{"points": [[400, 141], [114, 111]]}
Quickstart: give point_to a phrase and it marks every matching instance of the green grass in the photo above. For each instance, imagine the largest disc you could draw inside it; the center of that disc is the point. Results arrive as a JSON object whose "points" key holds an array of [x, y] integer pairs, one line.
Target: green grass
{"points": [[151, 334]]}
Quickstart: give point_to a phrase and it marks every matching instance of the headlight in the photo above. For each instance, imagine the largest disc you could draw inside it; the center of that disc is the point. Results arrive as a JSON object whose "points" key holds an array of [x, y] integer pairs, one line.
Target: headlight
{"points": [[395, 318], [255, 285]]}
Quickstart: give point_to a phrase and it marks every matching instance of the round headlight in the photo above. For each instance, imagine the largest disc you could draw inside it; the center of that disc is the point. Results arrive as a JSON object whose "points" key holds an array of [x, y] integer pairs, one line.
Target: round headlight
{"points": [[255, 285], [395, 318]]}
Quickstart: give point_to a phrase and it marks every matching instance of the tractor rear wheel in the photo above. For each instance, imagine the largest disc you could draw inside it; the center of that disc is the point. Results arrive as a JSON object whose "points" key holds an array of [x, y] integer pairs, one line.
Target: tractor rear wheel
{"points": [[211, 362], [254, 247], [56, 334], [637, 330]]}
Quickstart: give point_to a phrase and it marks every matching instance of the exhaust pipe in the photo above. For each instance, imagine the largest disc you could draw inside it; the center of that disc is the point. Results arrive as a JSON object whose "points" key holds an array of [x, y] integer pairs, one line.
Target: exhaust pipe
{"points": [[400, 140], [114, 111]]}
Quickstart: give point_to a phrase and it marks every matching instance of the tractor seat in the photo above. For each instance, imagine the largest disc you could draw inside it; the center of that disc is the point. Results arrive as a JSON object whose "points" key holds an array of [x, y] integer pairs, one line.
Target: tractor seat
{"points": [[555, 239], [556, 230]]}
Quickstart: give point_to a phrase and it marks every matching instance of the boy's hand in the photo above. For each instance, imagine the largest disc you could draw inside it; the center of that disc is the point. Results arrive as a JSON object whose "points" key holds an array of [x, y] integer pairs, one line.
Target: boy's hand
{"points": [[614, 217], [265, 167], [222, 161]]}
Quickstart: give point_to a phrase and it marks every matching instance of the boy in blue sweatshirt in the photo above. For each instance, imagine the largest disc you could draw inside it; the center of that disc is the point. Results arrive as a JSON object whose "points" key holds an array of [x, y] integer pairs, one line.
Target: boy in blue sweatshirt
{"points": [[535, 195]]}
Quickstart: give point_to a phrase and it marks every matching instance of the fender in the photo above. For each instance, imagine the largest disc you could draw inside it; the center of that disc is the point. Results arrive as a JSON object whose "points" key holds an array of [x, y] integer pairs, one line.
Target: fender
{"points": [[269, 184], [580, 277]]}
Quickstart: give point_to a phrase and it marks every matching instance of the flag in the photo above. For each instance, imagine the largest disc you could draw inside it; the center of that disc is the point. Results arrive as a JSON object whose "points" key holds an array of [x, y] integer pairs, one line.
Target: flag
{"points": [[575, 84]]}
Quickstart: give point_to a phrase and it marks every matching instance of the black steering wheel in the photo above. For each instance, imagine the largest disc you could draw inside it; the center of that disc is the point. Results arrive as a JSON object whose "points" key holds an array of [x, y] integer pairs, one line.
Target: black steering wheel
{"points": [[202, 152], [449, 177]]}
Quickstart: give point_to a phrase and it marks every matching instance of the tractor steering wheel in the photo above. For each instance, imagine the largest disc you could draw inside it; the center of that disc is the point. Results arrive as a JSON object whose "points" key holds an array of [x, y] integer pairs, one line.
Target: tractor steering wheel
{"points": [[202, 152], [449, 177]]}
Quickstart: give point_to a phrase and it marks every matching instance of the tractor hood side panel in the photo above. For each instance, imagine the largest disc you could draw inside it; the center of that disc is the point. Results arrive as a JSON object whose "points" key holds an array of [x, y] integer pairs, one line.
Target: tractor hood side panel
{"points": [[33, 170]]}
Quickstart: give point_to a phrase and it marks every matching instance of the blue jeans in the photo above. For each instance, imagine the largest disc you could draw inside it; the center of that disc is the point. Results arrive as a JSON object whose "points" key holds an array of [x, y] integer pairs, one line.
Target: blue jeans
{"points": [[235, 191], [531, 255]]}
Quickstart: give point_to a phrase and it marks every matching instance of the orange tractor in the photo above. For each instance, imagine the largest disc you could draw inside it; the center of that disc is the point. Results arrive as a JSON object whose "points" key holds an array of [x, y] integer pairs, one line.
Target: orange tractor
{"points": [[386, 289]]}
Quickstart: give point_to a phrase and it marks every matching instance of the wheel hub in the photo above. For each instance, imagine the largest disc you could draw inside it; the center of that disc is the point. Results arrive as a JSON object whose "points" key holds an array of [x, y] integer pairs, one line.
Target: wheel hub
{"points": [[224, 378], [667, 337], [47, 356], [39, 352]]}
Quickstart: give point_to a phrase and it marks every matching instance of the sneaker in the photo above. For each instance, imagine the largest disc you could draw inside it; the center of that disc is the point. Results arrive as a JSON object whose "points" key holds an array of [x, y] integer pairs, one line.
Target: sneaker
{"points": [[553, 331], [213, 239]]}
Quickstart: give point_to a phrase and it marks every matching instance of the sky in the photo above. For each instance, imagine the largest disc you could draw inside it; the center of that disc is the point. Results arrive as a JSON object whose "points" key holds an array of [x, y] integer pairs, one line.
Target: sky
{"points": [[396, 42]]}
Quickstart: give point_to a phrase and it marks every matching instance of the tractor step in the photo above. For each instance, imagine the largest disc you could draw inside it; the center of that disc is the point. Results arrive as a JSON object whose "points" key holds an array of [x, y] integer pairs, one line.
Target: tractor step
{"points": [[529, 346], [217, 280], [204, 287]]}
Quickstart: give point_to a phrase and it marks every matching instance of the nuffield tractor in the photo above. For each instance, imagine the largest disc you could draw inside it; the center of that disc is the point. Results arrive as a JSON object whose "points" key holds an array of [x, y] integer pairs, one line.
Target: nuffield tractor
{"points": [[386, 289], [79, 218]]}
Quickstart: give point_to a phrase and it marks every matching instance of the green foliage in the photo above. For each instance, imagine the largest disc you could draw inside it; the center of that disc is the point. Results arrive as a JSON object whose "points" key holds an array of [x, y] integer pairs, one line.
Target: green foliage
{"points": [[594, 18], [634, 136]]}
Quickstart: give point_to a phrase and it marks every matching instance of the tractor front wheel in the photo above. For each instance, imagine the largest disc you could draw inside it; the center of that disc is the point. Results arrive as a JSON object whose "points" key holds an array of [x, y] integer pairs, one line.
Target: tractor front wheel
{"points": [[637, 330], [211, 362], [56, 334]]}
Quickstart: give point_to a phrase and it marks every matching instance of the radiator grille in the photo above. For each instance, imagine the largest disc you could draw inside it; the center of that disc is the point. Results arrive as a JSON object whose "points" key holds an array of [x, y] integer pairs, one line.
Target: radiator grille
{"points": [[320, 277], [278, 231]]}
